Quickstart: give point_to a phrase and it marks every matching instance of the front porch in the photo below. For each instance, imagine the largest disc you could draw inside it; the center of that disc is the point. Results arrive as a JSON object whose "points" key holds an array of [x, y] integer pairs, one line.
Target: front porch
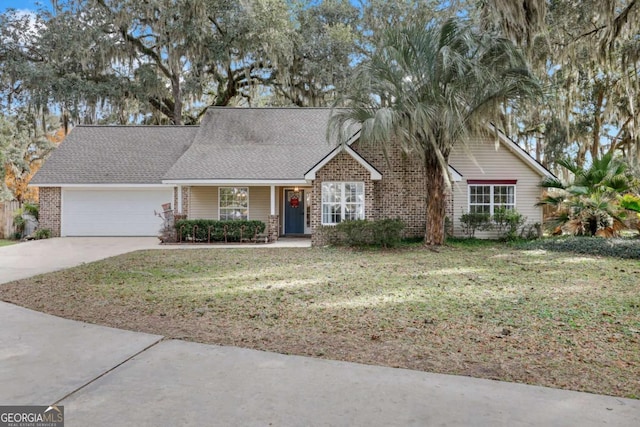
{"points": [[285, 209]]}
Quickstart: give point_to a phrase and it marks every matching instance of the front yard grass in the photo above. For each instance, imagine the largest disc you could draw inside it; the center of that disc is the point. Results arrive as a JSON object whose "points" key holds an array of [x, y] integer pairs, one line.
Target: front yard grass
{"points": [[491, 311], [5, 242]]}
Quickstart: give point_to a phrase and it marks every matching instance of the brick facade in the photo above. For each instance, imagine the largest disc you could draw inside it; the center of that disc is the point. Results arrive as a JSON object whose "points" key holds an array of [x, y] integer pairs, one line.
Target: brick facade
{"points": [[50, 209], [343, 167], [449, 212], [402, 191], [186, 196], [273, 228], [400, 194]]}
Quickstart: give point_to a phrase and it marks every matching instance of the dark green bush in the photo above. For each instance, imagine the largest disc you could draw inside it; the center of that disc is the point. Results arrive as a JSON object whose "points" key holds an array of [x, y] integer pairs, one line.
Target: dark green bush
{"points": [[205, 230], [507, 222], [42, 233], [385, 233], [619, 248], [472, 222]]}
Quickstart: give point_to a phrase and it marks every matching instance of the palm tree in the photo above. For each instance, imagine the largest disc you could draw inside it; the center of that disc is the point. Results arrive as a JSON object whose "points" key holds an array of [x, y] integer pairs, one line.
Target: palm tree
{"points": [[591, 204], [427, 89]]}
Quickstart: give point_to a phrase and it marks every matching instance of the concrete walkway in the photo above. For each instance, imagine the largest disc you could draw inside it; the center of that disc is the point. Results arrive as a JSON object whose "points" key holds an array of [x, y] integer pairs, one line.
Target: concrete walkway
{"points": [[111, 377]]}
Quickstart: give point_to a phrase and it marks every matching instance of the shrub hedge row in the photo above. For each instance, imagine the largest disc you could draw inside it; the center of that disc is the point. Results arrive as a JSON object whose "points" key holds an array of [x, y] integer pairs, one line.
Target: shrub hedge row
{"points": [[205, 230], [619, 248], [384, 233]]}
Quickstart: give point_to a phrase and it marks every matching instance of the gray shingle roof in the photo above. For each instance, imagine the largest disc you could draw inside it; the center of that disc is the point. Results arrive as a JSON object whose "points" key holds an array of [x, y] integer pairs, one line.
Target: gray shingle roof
{"points": [[115, 155], [255, 143]]}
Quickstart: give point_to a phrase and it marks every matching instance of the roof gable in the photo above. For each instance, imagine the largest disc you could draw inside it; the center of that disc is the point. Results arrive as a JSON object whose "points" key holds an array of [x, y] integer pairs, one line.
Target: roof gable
{"points": [[311, 173]]}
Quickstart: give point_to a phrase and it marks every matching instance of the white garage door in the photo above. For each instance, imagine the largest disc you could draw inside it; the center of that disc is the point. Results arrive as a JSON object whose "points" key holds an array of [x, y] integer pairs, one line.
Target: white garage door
{"points": [[121, 212]]}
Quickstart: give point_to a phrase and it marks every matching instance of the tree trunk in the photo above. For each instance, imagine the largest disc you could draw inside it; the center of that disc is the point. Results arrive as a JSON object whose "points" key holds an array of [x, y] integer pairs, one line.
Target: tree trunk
{"points": [[436, 202]]}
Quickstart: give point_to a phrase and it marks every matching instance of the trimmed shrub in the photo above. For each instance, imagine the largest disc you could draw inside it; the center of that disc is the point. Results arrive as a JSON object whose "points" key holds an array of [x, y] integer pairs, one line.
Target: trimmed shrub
{"points": [[507, 222], [472, 222], [385, 233], [42, 233], [208, 230], [618, 248]]}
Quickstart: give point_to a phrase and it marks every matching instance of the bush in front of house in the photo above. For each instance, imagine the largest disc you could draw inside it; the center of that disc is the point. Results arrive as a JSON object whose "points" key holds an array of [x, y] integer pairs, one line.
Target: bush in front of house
{"points": [[384, 233], [42, 233], [475, 221], [209, 230], [509, 224]]}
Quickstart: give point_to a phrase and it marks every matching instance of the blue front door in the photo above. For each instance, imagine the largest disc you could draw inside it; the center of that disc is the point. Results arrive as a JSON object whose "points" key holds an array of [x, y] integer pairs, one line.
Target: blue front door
{"points": [[294, 212]]}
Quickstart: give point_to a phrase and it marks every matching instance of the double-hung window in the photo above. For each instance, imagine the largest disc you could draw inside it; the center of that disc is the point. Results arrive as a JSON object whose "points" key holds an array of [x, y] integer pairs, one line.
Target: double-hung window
{"points": [[342, 201], [233, 203], [486, 196]]}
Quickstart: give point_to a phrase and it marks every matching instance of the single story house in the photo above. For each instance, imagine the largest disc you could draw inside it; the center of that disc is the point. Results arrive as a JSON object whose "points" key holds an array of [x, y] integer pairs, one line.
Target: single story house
{"points": [[268, 164]]}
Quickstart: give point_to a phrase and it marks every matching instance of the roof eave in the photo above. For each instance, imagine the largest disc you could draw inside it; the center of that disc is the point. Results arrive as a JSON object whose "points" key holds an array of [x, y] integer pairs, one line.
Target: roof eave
{"points": [[235, 181]]}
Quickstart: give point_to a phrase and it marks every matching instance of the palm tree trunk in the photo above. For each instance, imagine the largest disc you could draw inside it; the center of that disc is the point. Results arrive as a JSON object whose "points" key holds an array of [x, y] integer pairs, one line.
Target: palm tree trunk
{"points": [[436, 202]]}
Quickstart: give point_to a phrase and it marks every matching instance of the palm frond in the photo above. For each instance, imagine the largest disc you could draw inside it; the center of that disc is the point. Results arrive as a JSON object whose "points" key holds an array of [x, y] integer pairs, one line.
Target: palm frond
{"points": [[552, 182]]}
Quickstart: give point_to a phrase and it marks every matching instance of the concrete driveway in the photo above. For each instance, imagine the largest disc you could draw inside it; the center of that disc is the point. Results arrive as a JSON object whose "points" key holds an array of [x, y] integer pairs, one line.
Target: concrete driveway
{"points": [[28, 259]]}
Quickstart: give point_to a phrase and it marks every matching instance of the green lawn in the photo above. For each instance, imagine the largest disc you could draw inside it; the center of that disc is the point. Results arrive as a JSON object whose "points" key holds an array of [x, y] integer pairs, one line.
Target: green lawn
{"points": [[4, 242], [491, 311]]}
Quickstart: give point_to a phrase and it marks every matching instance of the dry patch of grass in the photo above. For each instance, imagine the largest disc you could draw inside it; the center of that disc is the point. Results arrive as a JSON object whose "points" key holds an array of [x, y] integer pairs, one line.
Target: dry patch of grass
{"points": [[559, 320], [5, 242]]}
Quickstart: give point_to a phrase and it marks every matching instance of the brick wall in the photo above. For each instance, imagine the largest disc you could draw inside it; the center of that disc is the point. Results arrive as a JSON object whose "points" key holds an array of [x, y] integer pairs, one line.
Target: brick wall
{"points": [[186, 196], [50, 209], [273, 228], [402, 191], [186, 199], [343, 167], [400, 194]]}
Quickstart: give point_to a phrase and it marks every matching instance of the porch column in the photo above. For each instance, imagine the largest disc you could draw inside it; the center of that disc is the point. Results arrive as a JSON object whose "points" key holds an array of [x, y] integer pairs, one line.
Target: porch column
{"points": [[274, 220], [273, 200], [178, 208]]}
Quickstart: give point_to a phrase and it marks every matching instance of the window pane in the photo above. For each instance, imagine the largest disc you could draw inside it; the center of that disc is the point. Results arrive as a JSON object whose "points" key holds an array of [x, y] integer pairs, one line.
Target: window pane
{"points": [[342, 201], [234, 203], [486, 198], [504, 195], [479, 209]]}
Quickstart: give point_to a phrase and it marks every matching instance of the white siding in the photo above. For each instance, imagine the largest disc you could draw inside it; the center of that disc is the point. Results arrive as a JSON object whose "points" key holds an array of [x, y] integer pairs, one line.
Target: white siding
{"points": [[483, 160]]}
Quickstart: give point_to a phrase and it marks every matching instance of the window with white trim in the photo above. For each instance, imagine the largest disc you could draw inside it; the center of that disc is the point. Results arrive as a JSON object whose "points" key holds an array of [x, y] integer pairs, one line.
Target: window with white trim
{"points": [[485, 198], [342, 201], [233, 203]]}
